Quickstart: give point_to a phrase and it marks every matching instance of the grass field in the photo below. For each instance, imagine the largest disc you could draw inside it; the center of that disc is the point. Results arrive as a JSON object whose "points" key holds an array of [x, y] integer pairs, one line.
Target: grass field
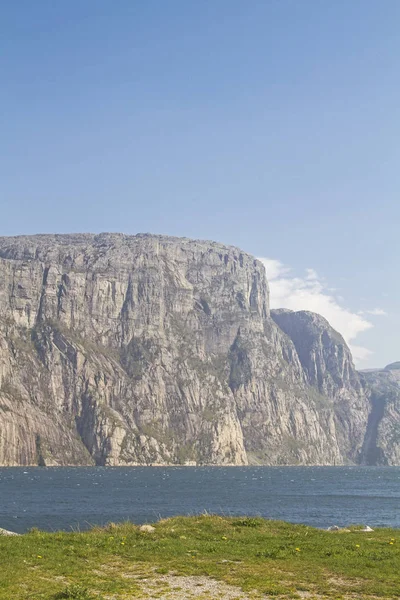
{"points": [[201, 557]]}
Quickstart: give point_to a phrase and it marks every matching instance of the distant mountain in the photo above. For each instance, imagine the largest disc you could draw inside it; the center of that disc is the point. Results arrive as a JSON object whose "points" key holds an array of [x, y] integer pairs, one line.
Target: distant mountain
{"points": [[123, 350], [393, 366], [382, 439]]}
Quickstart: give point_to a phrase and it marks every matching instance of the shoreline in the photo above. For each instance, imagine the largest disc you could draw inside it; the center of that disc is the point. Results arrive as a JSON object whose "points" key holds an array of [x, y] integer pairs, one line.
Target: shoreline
{"points": [[198, 466], [203, 556]]}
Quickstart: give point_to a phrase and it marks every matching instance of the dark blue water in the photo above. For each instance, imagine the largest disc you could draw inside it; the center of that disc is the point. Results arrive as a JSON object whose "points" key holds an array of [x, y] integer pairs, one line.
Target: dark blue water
{"points": [[65, 498]]}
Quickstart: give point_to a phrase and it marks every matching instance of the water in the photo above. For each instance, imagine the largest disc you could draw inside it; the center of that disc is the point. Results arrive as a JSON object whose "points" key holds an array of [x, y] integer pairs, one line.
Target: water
{"points": [[65, 498]]}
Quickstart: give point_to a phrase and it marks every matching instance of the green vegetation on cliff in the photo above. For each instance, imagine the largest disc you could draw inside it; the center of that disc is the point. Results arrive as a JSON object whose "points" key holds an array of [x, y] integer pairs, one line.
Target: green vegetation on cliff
{"points": [[201, 557]]}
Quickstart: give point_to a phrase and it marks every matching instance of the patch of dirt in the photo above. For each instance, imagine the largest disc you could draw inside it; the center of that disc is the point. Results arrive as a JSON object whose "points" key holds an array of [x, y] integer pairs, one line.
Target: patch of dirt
{"points": [[152, 585], [175, 587], [346, 583]]}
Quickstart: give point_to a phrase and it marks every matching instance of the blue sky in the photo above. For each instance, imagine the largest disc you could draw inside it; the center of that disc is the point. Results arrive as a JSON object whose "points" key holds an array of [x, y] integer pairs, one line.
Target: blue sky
{"points": [[272, 125]]}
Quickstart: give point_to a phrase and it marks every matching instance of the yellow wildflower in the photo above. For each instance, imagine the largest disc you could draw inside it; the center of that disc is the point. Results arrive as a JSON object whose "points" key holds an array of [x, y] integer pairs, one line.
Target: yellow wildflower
{"points": [[297, 549], [357, 545]]}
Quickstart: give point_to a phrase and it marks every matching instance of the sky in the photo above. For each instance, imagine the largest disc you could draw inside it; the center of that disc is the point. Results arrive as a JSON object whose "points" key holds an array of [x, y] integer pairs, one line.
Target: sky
{"points": [[272, 125]]}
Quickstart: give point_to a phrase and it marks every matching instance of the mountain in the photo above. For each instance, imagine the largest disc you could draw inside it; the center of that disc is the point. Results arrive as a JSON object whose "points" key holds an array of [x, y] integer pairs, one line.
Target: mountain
{"points": [[328, 367], [123, 350], [382, 439]]}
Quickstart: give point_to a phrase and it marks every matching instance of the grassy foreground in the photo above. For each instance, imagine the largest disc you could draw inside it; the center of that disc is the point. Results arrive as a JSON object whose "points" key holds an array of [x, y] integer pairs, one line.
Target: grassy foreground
{"points": [[262, 558]]}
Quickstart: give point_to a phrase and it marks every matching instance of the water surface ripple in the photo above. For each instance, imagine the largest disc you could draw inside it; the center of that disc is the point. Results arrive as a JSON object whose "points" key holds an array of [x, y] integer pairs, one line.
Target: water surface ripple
{"points": [[65, 498]]}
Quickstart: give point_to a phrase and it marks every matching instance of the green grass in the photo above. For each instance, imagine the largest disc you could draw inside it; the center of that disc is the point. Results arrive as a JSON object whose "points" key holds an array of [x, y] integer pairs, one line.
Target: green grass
{"points": [[270, 558]]}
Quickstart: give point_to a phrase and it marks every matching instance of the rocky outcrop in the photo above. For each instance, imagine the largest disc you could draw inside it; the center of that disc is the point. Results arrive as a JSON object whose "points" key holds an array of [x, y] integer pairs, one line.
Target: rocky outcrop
{"points": [[328, 367], [7, 532], [122, 350], [382, 439], [323, 353]]}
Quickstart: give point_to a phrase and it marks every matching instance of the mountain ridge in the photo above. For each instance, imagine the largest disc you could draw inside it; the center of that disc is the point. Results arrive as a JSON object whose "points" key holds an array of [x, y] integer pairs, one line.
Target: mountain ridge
{"points": [[148, 349]]}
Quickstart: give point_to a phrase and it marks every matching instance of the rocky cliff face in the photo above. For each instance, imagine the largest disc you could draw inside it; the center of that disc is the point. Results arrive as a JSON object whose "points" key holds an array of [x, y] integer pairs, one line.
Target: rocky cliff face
{"points": [[328, 367], [382, 439], [145, 349]]}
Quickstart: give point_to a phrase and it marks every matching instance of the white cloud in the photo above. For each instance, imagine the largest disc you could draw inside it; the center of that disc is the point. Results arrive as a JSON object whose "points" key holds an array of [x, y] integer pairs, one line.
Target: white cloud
{"points": [[360, 354], [375, 312], [310, 293]]}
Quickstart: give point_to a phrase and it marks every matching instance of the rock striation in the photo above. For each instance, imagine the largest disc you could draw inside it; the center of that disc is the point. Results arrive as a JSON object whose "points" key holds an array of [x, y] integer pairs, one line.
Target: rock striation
{"points": [[124, 350], [382, 439], [328, 367]]}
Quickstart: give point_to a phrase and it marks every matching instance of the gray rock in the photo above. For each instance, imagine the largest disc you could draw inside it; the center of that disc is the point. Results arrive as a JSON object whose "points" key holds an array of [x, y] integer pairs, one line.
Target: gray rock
{"points": [[329, 370], [147, 528], [125, 350], [6, 532], [382, 438]]}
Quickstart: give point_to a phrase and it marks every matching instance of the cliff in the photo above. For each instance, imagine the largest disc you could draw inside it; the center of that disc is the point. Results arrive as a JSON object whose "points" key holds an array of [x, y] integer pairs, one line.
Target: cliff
{"points": [[382, 439], [121, 350], [328, 367]]}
